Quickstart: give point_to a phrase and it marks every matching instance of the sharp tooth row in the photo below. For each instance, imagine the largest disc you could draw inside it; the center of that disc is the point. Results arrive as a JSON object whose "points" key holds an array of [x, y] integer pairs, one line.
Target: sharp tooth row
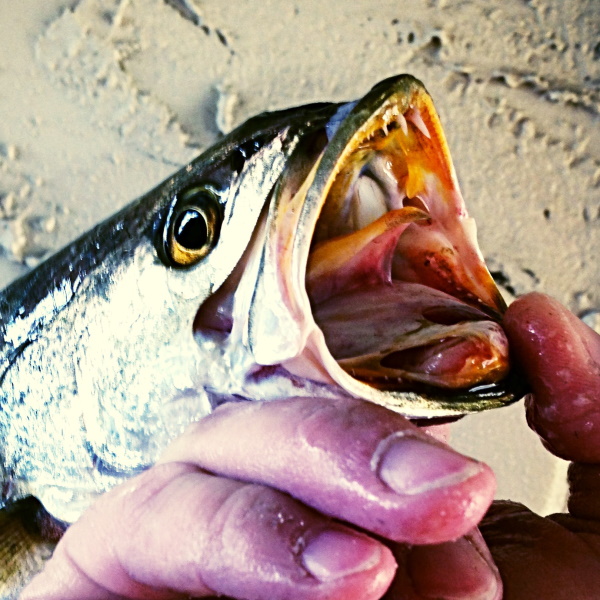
{"points": [[414, 116], [369, 202]]}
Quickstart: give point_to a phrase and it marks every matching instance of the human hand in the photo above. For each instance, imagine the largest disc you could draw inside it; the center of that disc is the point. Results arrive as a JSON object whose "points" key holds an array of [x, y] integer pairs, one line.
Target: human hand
{"points": [[242, 505], [554, 558]]}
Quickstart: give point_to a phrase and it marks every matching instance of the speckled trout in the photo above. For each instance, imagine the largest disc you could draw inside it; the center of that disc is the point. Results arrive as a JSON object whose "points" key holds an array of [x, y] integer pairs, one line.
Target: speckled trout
{"points": [[318, 251]]}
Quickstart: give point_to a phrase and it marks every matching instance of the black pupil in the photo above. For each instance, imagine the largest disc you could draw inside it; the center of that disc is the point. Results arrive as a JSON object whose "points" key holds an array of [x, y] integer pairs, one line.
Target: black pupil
{"points": [[191, 230]]}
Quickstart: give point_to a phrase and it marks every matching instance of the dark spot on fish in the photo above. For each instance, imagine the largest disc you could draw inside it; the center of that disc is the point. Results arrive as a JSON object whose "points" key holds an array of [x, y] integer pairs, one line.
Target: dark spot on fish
{"points": [[244, 152], [547, 214]]}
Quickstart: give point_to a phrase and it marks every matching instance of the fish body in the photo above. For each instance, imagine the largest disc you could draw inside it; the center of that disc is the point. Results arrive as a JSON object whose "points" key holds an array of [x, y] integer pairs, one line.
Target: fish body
{"points": [[240, 278]]}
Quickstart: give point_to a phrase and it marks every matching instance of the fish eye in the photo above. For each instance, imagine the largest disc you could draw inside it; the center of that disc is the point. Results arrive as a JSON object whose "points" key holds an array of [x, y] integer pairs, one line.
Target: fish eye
{"points": [[192, 226]]}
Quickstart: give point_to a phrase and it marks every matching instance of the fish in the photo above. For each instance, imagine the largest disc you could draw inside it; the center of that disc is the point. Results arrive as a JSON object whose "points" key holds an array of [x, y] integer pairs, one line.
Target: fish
{"points": [[324, 250]]}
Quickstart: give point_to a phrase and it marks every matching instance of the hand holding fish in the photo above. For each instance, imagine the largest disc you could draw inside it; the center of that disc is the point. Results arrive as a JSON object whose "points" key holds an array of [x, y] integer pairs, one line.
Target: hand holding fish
{"points": [[312, 259], [253, 519]]}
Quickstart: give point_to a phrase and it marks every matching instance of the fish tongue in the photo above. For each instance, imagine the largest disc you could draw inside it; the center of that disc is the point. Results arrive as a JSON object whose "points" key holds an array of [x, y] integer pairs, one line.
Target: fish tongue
{"points": [[449, 362], [359, 259], [404, 332]]}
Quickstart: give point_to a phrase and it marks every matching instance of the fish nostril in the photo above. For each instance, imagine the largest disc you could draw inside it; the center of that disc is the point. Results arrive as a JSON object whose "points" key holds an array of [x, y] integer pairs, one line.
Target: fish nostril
{"points": [[214, 322], [215, 313]]}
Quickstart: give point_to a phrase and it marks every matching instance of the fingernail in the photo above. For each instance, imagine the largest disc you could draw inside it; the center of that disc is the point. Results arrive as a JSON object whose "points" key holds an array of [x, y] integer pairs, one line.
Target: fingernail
{"points": [[333, 554], [460, 570], [411, 465]]}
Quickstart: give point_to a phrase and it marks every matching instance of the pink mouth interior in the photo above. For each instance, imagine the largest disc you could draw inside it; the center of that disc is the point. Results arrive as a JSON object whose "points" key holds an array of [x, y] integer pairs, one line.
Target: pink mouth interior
{"points": [[386, 283]]}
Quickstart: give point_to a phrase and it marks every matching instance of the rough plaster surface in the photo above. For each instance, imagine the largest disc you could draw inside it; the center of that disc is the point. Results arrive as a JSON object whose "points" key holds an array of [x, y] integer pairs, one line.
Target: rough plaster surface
{"points": [[100, 100]]}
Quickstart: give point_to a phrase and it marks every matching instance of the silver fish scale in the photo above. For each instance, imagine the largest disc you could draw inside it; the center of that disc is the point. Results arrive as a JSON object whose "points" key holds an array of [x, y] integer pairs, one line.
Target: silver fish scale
{"points": [[107, 370]]}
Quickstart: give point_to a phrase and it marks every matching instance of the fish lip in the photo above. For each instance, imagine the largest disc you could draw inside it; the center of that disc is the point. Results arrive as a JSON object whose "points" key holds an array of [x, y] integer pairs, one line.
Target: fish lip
{"points": [[386, 100]]}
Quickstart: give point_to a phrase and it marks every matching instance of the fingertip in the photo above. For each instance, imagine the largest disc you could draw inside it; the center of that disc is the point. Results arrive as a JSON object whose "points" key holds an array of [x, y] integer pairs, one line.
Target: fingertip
{"points": [[349, 563], [443, 494], [462, 569]]}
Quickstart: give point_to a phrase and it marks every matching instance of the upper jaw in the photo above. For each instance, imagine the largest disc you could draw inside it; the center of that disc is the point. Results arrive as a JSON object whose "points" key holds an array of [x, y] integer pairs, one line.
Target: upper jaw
{"points": [[393, 138], [390, 151]]}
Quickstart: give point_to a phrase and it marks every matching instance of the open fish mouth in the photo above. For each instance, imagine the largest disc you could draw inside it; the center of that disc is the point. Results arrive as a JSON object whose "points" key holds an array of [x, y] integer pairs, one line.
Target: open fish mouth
{"points": [[320, 251], [380, 267]]}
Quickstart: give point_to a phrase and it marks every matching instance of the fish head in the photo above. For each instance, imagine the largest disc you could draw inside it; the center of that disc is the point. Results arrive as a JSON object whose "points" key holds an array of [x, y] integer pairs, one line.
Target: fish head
{"points": [[99, 367], [368, 278], [320, 251]]}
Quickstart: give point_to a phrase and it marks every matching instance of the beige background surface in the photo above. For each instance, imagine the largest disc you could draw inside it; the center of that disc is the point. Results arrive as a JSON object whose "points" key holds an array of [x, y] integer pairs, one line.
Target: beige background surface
{"points": [[100, 100]]}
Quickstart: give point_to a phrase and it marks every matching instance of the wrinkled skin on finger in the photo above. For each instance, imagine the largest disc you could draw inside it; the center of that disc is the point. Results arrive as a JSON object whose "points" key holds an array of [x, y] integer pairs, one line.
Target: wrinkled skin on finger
{"points": [[301, 498], [558, 557]]}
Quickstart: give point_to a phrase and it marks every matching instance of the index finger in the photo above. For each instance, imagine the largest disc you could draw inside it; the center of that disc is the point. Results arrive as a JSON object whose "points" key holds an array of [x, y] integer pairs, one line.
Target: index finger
{"points": [[561, 356]]}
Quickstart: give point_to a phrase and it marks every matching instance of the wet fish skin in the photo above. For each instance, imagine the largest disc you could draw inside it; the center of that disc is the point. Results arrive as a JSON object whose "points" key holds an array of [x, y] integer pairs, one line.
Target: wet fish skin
{"points": [[94, 341]]}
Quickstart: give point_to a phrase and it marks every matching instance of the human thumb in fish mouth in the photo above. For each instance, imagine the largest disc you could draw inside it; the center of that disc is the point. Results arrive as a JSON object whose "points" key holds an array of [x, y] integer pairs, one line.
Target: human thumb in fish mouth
{"points": [[325, 499]]}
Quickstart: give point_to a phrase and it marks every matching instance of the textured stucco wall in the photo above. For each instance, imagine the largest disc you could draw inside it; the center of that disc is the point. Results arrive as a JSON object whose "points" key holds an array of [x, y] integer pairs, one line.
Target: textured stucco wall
{"points": [[100, 100]]}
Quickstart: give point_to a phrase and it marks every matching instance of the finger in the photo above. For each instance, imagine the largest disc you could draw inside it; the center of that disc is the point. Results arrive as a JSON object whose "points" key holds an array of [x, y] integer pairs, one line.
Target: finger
{"points": [[539, 557], [561, 356], [584, 496], [458, 570], [175, 532], [347, 458]]}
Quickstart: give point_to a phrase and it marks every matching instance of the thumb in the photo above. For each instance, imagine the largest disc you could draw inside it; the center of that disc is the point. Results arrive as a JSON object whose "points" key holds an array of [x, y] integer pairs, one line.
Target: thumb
{"points": [[561, 356]]}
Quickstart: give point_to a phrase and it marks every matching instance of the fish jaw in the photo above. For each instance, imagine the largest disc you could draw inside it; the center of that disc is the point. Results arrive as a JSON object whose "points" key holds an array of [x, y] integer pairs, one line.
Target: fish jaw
{"points": [[324, 248]]}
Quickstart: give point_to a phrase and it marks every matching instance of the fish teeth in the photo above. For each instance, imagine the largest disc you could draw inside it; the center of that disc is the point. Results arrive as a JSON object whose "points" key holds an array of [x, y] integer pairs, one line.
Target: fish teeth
{"points": [[403, 124], [414, 116], [416, 202]]}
